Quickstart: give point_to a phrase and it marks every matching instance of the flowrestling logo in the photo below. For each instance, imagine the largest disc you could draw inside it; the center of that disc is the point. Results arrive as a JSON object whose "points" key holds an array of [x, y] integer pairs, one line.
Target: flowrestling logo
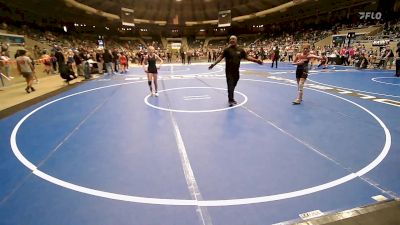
{"points": [[370, 15]]}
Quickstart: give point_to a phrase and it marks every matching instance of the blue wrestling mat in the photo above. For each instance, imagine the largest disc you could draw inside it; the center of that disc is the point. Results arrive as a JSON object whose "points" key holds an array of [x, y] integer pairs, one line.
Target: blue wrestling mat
{"points": [[107, 152]]}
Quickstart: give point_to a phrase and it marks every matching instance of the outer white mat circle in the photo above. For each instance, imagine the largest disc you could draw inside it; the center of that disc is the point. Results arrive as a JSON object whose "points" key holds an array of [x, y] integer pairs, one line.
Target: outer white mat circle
{"points": [[163, 201], [376, 79], [146, 100]]}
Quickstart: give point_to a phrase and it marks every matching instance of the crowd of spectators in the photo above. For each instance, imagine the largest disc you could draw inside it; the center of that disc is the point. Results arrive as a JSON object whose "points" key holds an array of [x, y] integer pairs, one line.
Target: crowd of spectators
{"points": [[83, 55]]}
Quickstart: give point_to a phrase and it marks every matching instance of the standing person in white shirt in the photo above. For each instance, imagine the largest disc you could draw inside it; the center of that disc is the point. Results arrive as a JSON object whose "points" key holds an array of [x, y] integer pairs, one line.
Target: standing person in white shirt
{"points": [[5, 66], [26, 69]]}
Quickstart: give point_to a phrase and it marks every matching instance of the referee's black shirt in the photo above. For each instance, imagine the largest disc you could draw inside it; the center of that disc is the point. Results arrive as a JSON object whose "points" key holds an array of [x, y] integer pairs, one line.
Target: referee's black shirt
{"points": [[233, 55]]}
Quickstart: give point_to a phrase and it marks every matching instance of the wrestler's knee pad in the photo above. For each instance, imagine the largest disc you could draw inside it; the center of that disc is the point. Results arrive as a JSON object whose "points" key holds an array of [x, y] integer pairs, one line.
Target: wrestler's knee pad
{"points": [[301, 86]]}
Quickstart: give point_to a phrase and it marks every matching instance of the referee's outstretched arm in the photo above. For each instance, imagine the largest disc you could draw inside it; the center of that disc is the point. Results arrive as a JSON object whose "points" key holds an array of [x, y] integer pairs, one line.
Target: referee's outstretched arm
{"points": [[216, 61]]}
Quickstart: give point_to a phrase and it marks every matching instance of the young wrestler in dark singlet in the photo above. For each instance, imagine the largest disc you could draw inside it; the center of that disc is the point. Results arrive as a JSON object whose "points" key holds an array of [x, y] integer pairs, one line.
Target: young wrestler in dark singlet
{"points": [[150, 60], [302, 60]]}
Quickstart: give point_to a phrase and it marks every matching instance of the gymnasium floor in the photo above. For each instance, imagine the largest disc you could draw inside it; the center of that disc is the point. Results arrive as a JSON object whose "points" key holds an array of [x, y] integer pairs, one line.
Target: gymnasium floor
{"points": [[106, 152]]}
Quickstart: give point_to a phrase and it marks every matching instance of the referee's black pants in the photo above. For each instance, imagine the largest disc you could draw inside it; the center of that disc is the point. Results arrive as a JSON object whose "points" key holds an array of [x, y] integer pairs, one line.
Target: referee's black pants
{"points": [[232, 80]]}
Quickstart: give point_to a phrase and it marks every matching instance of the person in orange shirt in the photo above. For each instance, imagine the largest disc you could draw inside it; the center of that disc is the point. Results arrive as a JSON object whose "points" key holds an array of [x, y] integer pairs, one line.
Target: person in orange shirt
{"points": [[46, 59]]}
